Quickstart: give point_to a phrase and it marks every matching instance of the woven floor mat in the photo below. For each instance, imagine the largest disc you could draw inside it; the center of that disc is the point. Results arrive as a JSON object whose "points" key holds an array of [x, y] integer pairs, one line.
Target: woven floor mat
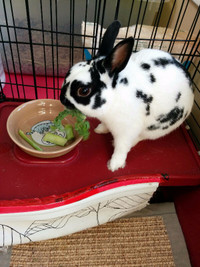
{"points": [[141, 241]]}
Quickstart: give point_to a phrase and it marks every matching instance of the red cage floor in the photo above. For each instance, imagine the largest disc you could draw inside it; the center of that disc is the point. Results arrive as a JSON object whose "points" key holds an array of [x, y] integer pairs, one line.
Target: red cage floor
{"points": [[23, 176]]}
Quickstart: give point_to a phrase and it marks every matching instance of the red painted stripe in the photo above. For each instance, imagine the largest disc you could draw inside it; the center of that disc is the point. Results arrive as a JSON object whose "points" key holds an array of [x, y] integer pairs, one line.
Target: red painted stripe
{"points": [[36, 204]]}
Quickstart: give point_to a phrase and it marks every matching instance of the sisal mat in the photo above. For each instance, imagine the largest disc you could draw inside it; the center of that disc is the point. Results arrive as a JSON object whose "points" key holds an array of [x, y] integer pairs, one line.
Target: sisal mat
{"points": [[141, 241]]}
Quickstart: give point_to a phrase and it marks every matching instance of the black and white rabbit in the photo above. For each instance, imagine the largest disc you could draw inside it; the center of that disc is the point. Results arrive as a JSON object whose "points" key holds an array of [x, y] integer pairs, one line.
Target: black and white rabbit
{"points": [[136, 96]]}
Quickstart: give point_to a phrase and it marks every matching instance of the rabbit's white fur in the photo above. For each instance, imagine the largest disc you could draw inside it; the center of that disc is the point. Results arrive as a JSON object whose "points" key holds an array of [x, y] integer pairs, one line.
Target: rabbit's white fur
{"points": [[152, 102]]}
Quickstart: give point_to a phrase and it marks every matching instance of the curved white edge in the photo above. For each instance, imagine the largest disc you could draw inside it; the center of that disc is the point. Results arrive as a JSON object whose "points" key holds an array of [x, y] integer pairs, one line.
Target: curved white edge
{"points": [[17, 228]]}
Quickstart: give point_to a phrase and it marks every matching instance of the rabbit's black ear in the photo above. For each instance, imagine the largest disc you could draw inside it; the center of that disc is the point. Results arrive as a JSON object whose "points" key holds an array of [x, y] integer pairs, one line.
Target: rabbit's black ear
{"points": [[109, 39], [117, 60]]}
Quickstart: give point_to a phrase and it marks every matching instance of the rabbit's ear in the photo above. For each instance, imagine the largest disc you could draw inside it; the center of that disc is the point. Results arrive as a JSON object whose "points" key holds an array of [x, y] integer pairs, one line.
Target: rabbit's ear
{"points": [[117, 60], [109, 39]]}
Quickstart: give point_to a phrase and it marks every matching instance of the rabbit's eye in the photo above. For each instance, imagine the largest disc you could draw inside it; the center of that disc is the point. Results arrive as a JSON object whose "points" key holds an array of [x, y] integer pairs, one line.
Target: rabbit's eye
{"points": [[84, 91]]}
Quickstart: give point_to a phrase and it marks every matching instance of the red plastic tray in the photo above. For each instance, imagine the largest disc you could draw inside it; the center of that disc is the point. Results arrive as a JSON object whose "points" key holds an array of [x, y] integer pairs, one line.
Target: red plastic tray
{"points": [[173, 158]]}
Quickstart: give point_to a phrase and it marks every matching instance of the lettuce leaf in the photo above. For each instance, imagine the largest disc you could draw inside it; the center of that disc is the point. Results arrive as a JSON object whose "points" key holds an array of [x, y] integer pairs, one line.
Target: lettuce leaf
{"points": [[82, 126]]}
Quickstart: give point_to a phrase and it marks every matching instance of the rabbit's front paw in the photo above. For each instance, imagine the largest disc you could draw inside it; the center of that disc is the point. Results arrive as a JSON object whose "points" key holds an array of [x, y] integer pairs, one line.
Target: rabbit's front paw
{"points": [[101, 129], [116, 163]]}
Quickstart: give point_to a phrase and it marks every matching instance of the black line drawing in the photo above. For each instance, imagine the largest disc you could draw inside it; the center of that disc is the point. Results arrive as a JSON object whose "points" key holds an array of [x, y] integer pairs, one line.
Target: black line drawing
{"points": [[103, 211], [10, 233], [120, 206], [56, 223]]}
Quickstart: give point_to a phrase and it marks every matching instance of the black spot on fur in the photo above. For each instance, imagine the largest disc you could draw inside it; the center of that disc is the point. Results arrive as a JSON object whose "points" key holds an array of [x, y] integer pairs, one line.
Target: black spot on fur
{"points": [[165, 127], [95, 76], [152, 78], [167, 120], [148, 109], [100, 67], [187, 74], [163, 62], [145, 66], [82, 64], [146, 99], [172, 117], [124, 81], [115, 79], [98, 102], [63, 99], [97, 86], [178, 96], [153, 127]]}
